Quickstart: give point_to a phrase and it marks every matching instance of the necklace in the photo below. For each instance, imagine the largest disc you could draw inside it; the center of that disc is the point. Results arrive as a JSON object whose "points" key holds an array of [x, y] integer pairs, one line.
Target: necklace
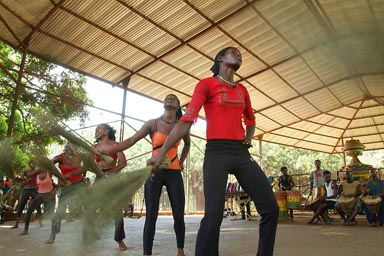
{"points": [[165, 121], [228, 82]]}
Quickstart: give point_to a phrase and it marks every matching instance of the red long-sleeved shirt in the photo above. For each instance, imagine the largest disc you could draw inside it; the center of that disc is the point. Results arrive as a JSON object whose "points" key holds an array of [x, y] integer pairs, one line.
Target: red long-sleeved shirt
{"points": [[224, 108]]}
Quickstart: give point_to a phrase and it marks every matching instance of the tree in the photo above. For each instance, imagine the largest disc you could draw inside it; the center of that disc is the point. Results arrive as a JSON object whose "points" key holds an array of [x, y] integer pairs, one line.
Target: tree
{"points": [[298, 161], [30, 85]]}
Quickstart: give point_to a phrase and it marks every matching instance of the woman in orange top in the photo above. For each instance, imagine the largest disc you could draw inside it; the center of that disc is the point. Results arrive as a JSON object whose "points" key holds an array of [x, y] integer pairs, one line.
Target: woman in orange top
{"points": [[170, 177]]}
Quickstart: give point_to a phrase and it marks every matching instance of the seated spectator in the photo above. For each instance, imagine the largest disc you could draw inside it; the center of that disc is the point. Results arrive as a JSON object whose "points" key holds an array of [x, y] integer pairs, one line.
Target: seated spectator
{"points": [[327, 201], [3, 207], [348, 206]]}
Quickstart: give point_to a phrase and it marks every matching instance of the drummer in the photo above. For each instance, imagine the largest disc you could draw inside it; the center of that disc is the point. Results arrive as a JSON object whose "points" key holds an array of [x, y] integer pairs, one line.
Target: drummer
{"points": [[327, 201], [286, 183], [374, 187], [349, 188]]}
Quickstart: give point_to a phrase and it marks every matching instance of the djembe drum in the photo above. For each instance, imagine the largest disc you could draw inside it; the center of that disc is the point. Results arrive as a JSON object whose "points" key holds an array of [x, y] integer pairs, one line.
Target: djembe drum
{"points": [[293, 199], [281, 197], [373, 203], [347, 204]]}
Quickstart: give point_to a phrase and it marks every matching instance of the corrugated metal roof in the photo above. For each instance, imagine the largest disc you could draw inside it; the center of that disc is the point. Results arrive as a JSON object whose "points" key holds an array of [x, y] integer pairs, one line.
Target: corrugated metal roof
{"points": [[314, 69]]}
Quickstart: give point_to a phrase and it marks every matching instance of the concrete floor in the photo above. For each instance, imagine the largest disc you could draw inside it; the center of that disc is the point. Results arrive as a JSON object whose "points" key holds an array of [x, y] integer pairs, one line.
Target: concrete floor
{"points": [[237, 238]]}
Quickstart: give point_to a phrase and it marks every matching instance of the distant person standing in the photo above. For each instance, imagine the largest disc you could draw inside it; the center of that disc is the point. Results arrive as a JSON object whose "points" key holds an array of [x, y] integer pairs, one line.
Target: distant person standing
{"points": [[316, 180]]}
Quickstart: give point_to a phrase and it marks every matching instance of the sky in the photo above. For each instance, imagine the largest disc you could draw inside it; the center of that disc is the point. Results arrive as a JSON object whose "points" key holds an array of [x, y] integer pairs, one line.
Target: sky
{"points": [[110, 98], [107, 97]]}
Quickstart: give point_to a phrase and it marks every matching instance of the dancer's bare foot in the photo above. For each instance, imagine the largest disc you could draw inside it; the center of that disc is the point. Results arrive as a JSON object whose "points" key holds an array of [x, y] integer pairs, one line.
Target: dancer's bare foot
{"points": [[180, 252], [25, 232], [51, 239], [15, 226], [122, 246]]}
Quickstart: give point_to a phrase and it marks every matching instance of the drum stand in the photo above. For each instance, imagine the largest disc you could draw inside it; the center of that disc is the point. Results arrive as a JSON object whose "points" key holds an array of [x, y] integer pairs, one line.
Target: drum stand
{"points": [[228, 209], [242, 199]]}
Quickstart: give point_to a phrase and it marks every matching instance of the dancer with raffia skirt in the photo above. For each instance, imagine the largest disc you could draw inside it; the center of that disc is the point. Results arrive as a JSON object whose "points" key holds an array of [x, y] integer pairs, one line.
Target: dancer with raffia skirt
{"points": [[105, 138], [170, 177]]}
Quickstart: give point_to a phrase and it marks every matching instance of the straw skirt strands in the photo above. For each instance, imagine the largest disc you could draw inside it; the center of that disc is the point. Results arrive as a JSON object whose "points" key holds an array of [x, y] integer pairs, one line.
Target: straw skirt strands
{"points": [[44, 163], [88, 162], [112, 191], [51, 127], [58, 130]]}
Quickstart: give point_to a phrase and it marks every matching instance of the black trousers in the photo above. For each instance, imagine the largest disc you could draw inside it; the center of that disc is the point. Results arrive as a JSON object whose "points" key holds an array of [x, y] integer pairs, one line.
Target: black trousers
{"points": [[48, 199], [223, 157], [173, 182], [66, 195], [25, 194]]}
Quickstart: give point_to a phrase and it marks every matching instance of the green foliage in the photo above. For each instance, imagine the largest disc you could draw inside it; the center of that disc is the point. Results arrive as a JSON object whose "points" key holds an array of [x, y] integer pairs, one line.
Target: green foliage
{"points": [[40, 86], [298, 161]]}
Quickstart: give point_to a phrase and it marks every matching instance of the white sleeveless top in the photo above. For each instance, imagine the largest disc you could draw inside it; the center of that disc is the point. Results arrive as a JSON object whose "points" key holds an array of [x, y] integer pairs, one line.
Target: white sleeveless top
{"points": [[330, 192]]}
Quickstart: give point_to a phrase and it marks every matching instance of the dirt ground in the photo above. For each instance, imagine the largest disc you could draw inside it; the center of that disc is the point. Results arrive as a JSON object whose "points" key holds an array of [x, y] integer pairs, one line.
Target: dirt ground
{"points": [[237, 238]]}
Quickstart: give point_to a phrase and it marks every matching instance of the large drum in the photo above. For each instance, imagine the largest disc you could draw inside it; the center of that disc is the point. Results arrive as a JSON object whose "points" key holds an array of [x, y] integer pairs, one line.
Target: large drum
{"points": [[347, 204], [373, 203], [293, 199], [281, 197]]}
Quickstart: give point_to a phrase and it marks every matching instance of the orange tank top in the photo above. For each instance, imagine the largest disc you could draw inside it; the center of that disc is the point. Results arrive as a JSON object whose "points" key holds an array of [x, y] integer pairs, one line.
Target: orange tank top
{"points": [[158, 140]]}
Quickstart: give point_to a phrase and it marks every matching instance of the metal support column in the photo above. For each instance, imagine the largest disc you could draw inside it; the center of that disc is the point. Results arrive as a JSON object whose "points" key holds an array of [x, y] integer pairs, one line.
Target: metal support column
{"points": [[125, 83]]}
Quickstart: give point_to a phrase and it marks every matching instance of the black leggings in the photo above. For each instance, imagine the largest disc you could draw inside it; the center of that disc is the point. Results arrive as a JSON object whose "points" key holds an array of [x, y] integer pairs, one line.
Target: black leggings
{"points": [[223, 157], [48, 199], [25, 194], [173, 181], [66, 195]]}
